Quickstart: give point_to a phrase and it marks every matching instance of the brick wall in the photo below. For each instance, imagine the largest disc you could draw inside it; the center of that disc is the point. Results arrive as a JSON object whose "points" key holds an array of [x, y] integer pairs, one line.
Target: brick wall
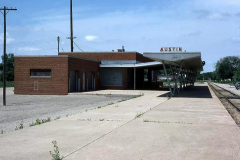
{"points": [[84, 66], [98, 56], [57, 84]]}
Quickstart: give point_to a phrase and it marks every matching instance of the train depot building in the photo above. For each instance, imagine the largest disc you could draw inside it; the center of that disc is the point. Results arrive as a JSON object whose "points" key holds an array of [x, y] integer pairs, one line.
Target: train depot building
{"points": [[87, 71]]}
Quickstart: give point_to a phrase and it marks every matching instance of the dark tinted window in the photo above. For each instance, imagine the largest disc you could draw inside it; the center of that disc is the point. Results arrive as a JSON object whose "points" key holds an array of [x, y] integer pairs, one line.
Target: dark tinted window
{"points": [[40, 72]]}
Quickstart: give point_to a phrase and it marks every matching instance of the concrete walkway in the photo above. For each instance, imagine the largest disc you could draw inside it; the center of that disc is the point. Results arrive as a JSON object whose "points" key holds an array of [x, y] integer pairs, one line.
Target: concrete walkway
{"points": [[185, 127]]}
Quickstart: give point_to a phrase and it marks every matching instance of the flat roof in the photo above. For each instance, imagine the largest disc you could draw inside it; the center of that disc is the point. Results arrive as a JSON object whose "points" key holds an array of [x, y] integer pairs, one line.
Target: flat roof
{"points": [[191, 60], [55, 56], [102, 52]]}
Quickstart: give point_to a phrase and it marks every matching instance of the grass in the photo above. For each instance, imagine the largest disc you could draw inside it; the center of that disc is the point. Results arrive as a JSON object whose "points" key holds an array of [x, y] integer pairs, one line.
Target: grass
{"points": [[226, 82], [40, 121], [122, 100], [8, 84], [138, 115], [83, 119], [55, 154], [199, 82], [140, 94], [101, 119], [110, 103], [2, 132], [99, 107], [19, 127], [145, 120], [58, 117]]}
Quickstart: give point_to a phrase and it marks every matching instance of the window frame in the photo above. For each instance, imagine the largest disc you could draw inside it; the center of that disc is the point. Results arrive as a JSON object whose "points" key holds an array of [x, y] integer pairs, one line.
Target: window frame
{"points": [[40, 70]]}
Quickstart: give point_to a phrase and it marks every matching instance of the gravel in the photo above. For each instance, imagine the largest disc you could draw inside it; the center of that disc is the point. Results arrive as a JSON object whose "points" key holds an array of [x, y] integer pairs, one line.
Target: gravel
{"points": [[27, 108]]}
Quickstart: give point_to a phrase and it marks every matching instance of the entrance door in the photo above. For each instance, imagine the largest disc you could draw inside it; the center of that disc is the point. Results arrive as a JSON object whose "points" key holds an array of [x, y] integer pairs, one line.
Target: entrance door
{"points": [[73, 81], [90, 81], [83, 80]]}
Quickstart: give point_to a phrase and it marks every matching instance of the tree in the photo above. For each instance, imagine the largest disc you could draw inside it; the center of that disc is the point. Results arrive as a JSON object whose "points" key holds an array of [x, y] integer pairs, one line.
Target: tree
{"points": [[237, 74], [9, 67], [226, 67], [207, 76]]}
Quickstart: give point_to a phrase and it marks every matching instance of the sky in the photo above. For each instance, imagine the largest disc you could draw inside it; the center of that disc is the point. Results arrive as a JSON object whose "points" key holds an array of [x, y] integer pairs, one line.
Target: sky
{"points": [[211, 27]]}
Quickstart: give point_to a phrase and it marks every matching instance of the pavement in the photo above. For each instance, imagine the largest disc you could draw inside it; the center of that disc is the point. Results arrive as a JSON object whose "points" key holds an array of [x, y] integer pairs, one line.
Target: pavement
{"points": [[189, 126], [230, 88], [25, 109]]}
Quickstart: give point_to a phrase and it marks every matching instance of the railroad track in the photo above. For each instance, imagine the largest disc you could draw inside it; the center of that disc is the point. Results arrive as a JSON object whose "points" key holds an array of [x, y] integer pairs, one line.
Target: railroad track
{"points": [[230, 101], [225, 94]]}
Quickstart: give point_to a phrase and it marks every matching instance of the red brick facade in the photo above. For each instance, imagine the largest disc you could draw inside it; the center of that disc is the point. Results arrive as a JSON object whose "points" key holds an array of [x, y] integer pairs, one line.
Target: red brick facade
{"points": [[67, 70], [84, 66], [98, 56], [58, 83]]}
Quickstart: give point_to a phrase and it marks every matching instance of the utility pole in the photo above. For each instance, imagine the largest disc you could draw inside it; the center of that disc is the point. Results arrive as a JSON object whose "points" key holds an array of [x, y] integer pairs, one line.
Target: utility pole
{"points": [[4, 52], [58, 39], [71, 27]]}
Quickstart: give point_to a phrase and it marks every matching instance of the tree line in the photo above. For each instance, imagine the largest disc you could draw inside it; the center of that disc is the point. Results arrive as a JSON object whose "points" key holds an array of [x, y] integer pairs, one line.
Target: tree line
{"points": [[226, 69], [9, 67]]}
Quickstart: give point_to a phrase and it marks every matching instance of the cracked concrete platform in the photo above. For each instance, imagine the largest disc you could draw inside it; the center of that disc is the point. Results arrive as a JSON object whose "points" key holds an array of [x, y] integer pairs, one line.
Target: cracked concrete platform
{"points": [[189, 126]]}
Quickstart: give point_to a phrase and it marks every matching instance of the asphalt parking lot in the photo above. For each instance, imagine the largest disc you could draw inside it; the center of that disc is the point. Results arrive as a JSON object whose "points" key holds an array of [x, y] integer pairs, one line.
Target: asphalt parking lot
{"points": [[27, 108]]}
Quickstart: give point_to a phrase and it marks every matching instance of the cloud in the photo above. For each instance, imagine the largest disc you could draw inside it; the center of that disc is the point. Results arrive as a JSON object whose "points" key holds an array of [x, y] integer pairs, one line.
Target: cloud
{"points": [[28, 49], [235, 39], [194, 34], [9, 39], [205, 14], [217, 3], [90, 37], [219, 16]]}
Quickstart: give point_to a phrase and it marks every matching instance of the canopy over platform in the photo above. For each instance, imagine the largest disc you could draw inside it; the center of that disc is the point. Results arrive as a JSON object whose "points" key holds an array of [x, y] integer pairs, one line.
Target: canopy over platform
{"points": [[191, 60], [134, 65]]}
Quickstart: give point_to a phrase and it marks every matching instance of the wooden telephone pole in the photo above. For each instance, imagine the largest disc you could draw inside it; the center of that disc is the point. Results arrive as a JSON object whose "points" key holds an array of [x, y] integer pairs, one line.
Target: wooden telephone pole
{"points": [[71, 27], [5, 11]]}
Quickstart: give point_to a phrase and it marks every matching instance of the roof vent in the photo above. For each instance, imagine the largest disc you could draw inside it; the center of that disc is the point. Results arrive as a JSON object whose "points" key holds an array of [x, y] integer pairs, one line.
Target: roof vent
{"points": [[121, 50]]}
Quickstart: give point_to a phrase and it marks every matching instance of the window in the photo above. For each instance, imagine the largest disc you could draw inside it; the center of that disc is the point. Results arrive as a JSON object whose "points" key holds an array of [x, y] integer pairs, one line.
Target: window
{"points": [[40, 73]]}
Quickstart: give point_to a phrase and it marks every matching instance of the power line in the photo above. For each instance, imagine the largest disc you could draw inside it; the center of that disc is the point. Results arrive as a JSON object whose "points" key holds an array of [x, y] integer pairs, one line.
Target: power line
{"points": [[78, 47], [61, 47]]}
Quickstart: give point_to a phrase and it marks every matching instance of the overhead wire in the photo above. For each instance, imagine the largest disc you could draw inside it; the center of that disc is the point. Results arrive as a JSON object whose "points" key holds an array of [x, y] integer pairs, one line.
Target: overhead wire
{"points": [[46, 40], [78, 47]]}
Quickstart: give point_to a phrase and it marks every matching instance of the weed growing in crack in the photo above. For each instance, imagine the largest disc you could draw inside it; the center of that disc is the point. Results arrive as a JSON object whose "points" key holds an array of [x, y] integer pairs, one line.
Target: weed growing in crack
{"points": [[83, 119], [2, 132], [138, 115], [40, 121], [145, 120], [110, 103], [19, 127], [55, 154], [58, 117], [101, 119], [122, 100]]}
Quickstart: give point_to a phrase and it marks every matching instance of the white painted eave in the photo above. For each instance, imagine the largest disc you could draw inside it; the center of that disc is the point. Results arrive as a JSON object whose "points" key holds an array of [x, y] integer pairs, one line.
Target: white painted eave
{"points": [[147, 64]]}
